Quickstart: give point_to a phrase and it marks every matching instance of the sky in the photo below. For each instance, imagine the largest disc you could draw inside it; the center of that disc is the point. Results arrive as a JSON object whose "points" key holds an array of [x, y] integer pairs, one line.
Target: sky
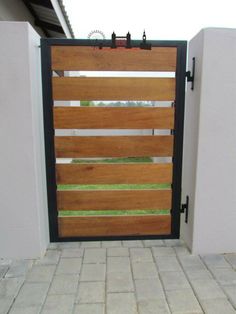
{"points": [[161, 19]]}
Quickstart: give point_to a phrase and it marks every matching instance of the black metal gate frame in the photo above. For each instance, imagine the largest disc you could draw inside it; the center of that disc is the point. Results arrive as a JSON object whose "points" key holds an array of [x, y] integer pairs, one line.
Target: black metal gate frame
{"points": [[49, 135]]}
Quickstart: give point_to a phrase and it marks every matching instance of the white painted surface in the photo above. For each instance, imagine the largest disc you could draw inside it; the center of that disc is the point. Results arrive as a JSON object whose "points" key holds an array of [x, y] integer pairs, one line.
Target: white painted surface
{"points": [[23, 204], [61, 18], [209, 176]]}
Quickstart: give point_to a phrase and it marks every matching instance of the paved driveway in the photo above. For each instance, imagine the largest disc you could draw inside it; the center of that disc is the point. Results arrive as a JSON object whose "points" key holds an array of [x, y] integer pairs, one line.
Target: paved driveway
{"points": [[119, 277]]}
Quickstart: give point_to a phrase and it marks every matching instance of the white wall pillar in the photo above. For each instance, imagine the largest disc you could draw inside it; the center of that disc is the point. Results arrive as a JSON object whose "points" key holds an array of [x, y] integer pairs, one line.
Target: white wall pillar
{"points": [[23, 200], [209, 167]]}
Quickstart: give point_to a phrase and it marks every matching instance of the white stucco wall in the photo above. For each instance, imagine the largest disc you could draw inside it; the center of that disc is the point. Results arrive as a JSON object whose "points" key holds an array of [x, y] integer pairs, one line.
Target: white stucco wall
{"points": [[209, 175], [23, 203]]}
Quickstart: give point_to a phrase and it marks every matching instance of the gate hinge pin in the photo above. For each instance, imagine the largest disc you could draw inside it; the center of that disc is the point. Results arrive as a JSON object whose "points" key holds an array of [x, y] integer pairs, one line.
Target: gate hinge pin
{"points": [[190, 75], [185, 208]]}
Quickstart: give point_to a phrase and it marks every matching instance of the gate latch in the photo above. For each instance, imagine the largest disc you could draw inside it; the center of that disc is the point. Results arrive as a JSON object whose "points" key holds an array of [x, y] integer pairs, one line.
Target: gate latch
{"points": [[190, 75], [184, 209]]}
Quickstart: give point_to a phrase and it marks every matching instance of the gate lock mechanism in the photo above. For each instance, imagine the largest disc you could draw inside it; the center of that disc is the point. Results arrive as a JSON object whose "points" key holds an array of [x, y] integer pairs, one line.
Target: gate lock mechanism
{"points": [[190, 75], [184, 209]]}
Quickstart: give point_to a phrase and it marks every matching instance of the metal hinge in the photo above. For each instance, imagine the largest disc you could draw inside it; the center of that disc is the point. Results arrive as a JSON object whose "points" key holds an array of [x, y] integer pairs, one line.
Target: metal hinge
{"points": [[190, 75], [185, 208]]}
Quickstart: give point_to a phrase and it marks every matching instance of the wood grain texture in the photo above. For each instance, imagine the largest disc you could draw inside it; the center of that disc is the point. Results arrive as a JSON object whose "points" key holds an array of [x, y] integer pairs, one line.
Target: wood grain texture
{"points": [[113, 146], [113, 199], [113, 88], [113, 173], [114, 226], [113, 118], [78, 58]]}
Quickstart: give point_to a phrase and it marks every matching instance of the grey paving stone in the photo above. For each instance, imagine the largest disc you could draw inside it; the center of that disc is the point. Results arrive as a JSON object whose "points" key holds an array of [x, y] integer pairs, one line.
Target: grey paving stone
{"points": [[58, 304], [167, 263], [118, 252], [73, 252], [51, 258], [93, 272], [5, 304], [110, 244], [174, 280], [163, 251], [120, 282], [64, 284], [158, 306], [32, 294], [191, 262], [68, 245], [181, 250], [19, 268], [183, 302], [198, 274], [91, 244], [3, 270], [141, 255], [132, 243], [225, 276], [207, 289], [91, 292], [231, 293], [5, 262], [69, 266], [10, 286], [53, 246], [33, 309], [151, 243], [120, 303], [217, 306], [89, 309], [149, 289], [95, 255], [174, 242], [145, 270], [215, 261], [231, 258], [118, 264], [41, 273]]}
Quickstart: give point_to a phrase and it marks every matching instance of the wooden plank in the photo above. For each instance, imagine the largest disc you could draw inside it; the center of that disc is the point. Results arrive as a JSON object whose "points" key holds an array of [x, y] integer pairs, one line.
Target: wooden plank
{"points": [[113, 199], [114, 146], [113, 173], [114, 226], [113, 88], [113, 118], [78, 58]]}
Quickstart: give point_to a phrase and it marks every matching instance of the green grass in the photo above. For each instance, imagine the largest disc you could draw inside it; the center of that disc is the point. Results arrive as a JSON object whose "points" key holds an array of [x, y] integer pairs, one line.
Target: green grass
{"points": [[112, 212], [113, 160], [86, 187], [83, 187]]}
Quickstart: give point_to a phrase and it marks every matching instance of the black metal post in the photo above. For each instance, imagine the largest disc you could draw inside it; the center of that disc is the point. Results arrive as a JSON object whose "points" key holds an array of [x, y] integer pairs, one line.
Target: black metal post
{"points": [[49, 139]]}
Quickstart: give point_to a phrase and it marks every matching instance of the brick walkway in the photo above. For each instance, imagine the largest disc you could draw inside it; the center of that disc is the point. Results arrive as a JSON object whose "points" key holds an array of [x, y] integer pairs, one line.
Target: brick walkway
{"points": [[129, 277]]}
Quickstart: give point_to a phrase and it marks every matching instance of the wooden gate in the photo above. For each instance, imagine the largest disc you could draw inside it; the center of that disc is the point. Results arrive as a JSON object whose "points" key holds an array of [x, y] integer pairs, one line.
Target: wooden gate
{"points": [[165, 57]]}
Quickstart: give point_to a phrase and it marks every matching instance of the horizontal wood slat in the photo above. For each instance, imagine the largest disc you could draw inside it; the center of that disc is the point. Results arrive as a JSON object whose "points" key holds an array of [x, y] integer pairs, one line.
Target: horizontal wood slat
{"points": [[77, 58], [114, 226], [113, 88], [114, 146], [113, 173], [113, 199], [113, 118]]}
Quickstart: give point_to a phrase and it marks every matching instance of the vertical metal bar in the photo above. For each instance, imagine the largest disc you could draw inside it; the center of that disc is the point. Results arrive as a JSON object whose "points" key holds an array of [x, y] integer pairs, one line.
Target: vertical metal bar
{"points": [[49, 139], [178, 139]]}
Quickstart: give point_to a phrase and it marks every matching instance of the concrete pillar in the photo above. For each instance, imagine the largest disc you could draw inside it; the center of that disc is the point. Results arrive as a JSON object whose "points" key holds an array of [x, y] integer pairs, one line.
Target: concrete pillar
{"points": [[23, 202], [209, 167]]}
